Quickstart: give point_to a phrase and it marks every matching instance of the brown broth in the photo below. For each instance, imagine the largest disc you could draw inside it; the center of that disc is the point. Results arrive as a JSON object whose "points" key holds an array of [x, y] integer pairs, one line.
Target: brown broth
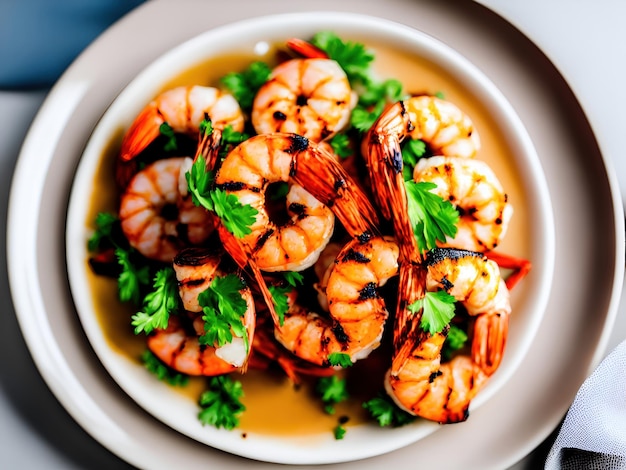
{"points": [[273, 404]]}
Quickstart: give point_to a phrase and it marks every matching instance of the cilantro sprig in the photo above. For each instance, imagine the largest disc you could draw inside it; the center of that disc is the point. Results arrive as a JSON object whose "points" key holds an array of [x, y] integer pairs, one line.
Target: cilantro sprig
{"points": [[356, 61], [223, 309], [244, 85], [386, 412], [221, 404], [236, 217], [432, 217], [132, 278], [455, 340], [438, 310], [332, 390], [291, 279], [158, 304], [339, 359]]}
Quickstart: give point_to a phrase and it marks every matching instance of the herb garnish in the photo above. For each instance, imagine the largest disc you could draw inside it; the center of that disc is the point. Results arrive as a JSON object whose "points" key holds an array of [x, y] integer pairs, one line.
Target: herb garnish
{"points": [[279, 293], [455, 340], [244, 85], [438, 310], [158, 304], [223, 309], [339, 359], [432, 217], [332, 390], [221, 404], [356, 61], [386, 412], [236, 217]]}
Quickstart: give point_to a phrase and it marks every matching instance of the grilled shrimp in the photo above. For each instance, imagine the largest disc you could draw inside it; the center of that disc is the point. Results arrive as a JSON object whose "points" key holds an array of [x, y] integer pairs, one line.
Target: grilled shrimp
{"points": [[444, 128], [157, 214], [183, 109], [357, 310], [475, 190], [251, 167], [178, 345], [309, 97], [418, 381]]}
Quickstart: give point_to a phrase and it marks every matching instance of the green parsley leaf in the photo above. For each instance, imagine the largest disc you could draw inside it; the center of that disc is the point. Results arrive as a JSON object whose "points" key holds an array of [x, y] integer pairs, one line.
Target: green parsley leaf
{"points": [[223, 309], [332, 390], [440, 95], [386, 412], [163, 372], [339, 359], [206, 127], [221, 405], [131, 278], [244, 85], [339, 432], [432, 217], [166, 130], [105, 221], [293, 278], [158, 304], [438, 310], [412, 151], [199, 183], [340, 144], [455, 340], [353, 57], [236, 217], [281, 305]]}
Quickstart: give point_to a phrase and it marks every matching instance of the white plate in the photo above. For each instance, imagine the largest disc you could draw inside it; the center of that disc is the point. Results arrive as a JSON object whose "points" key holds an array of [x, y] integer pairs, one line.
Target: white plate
{"points": [[180, 412], [587, 219]]}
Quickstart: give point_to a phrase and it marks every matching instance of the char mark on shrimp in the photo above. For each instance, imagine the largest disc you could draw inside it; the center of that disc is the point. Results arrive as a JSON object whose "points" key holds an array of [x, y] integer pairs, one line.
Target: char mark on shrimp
{"points": [[339, 333], [298, 209], [369, 291], [438, 255], [353, 255], [263, 238], [298, 143]]}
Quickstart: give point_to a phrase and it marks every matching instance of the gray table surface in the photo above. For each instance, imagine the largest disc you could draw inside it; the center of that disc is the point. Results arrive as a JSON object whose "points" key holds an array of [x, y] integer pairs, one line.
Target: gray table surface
{"points": [[584, 39]]}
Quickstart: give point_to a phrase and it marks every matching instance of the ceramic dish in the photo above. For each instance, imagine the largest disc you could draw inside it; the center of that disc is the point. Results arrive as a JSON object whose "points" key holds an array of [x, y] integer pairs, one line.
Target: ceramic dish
{"points": [[180, 411], [587, 220]]}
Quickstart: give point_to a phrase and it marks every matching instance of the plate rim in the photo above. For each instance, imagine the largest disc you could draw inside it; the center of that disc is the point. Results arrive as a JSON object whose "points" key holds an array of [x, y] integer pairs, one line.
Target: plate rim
{"points": [[29, 331]]}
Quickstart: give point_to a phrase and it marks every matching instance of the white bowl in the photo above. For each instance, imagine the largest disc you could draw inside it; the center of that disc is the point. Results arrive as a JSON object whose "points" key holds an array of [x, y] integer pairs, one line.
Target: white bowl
{"points": [[529, 299]]}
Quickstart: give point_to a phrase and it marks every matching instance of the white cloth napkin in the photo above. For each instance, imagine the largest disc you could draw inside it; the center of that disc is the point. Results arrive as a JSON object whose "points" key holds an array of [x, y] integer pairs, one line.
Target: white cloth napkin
{"points": [[593, 434]]}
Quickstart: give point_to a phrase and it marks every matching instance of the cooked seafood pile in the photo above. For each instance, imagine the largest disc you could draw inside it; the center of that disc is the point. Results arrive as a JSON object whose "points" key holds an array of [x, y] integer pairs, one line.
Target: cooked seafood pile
{"points": [[301, 216]]}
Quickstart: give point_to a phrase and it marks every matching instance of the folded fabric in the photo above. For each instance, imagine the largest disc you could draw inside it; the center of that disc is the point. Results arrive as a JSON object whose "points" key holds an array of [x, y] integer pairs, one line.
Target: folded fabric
{"points": [[40, 38], [593, 434]]}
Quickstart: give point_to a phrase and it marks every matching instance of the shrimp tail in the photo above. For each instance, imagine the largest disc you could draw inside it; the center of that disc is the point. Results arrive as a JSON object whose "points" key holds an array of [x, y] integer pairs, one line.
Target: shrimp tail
{"points": [[406, 331], [208, 147], [490, 334], [306, 49], [318, 172], [141, 133], [236, 250]]}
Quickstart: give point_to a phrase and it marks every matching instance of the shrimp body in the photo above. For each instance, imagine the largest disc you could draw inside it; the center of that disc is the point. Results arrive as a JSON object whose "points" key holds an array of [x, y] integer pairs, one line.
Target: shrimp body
{"points": [[251, 167], [178, 345], [309, 97], [357, 311], [472, 187], [195, 269], [157, 215], [183, 109], [418, 381], [445, 129]]}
